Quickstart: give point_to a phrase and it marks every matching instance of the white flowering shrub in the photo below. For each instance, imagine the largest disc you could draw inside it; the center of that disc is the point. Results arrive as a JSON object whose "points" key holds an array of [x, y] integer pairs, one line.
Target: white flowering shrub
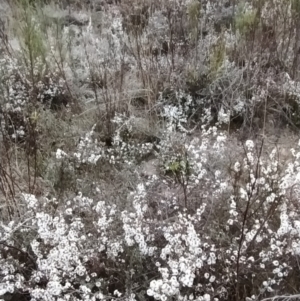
{"points": [[20, 99], [158, 85], [243, 232]]}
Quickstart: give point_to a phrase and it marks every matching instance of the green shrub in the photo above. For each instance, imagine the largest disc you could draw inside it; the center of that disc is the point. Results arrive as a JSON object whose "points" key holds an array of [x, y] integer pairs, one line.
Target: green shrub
{"points": [[30, 33], [194, 13], [246, 22], [217, 58]]}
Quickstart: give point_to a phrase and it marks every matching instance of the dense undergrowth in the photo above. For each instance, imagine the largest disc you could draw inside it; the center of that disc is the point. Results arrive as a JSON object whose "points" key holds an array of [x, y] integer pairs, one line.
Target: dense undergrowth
{"points": [[141, 153]]}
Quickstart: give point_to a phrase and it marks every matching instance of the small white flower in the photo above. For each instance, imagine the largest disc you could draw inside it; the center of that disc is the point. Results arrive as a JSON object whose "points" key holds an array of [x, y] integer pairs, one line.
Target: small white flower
{"points": [[249, 144], [60, 154], [69, 211], [31, 200], [237, 167], [243, 258], [150, 292], [206, 297], [230, 222], [117, 293], [80, 270], [54, 288], [275, 263], [212, 279], [269, 289]]}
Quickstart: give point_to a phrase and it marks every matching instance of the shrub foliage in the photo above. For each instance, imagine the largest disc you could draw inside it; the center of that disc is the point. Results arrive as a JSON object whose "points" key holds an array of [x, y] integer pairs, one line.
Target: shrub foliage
{"points": [[149, 150]]}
